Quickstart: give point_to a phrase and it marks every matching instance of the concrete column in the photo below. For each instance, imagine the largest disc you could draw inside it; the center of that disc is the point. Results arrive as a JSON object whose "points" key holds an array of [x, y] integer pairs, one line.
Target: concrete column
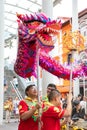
{"points": [[75, 28], [47, 8], [74, 15], [1, 58], [75, 87]]}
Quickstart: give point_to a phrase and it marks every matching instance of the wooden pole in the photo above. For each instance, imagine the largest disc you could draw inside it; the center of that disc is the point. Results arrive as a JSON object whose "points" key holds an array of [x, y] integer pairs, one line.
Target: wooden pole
{"points": [[84, 84], [38, 85]]}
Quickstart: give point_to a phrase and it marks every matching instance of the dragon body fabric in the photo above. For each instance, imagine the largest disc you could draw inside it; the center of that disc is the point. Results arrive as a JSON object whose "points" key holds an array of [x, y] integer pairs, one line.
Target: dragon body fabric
{"points": [[36, 35]]}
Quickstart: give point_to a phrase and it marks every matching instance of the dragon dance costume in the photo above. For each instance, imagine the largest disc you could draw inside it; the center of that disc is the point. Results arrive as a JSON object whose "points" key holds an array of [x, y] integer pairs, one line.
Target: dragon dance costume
{"points": [[37, 35]]}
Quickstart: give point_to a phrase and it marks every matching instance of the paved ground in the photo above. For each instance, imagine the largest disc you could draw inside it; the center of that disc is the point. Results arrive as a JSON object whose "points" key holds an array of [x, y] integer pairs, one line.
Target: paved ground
{"points": [[9, 126]]}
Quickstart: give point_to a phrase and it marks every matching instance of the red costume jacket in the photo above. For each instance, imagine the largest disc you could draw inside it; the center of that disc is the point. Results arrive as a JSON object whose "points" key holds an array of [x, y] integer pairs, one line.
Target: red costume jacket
{"points": [[32, 122], [51, 117]]}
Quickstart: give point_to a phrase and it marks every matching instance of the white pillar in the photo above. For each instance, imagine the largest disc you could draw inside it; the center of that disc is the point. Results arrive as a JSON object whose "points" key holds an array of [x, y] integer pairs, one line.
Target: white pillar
{"points": [[1, 58], [47, 8], [75, 28], [75, 87], [74, 15]]}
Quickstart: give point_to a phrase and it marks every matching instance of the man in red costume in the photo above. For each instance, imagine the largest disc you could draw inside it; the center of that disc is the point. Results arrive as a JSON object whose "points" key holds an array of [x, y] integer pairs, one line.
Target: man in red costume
{"points": [[28, 110], [52, 112]]}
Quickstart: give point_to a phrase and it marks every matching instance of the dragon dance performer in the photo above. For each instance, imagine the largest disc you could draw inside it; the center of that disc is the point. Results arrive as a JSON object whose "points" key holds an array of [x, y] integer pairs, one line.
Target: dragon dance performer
{"points": [[28, 110], [50, 87], [52, 112]]}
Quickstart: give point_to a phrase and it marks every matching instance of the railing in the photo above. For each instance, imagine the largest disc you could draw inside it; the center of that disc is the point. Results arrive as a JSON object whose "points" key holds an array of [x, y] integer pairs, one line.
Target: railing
{"points": [[16, 91]]}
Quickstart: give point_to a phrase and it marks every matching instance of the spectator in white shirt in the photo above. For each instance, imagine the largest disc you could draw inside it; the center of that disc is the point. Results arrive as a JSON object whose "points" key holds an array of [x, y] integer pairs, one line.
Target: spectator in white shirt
{"points": [[83, 103]]}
